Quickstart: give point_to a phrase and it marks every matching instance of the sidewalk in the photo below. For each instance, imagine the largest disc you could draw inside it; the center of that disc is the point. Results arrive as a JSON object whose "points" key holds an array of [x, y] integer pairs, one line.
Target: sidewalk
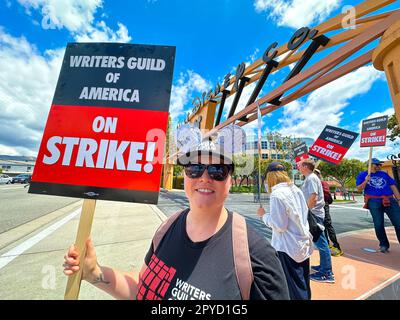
{"points": [[121, 233], [360, 273]]}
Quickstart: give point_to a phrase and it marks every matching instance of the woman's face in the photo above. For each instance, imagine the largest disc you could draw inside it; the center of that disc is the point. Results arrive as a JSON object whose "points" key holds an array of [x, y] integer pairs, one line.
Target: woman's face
{"points": [[205, 192]]}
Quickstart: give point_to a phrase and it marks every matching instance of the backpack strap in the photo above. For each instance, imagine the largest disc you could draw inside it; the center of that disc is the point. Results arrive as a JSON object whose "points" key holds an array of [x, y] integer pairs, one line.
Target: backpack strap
{"points": [[240, 244], [163, 228], [241, 255]]}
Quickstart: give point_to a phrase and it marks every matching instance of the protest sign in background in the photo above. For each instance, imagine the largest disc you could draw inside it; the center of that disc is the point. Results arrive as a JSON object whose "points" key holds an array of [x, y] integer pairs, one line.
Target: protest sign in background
{"points": [[105, 134], [373, 132], [300, 152], [332, 144]]}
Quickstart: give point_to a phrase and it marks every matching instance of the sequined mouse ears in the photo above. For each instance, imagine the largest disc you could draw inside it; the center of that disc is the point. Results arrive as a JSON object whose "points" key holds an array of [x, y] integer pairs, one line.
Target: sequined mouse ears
{"points": [[230, 139]]}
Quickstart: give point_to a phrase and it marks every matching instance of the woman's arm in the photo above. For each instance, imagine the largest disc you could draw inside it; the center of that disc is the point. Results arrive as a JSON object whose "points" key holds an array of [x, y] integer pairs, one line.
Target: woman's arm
{"points": [[396, 193], [278, 218], [362, 185], [121, 285]]}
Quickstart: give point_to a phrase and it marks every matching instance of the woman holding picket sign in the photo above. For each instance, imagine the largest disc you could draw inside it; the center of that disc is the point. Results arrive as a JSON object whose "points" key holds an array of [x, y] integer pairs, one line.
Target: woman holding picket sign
{"points": [[290, 230], [204, 252]]}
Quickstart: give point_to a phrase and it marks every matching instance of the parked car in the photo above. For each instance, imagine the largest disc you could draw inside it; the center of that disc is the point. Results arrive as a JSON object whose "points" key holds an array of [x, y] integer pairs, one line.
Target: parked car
{"points": [[5, 179], [22, 178]]}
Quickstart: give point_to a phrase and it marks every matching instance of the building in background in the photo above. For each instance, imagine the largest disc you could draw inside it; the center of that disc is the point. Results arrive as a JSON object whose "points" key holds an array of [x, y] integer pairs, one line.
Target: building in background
{"points": [[14, 165], [278, 148]]}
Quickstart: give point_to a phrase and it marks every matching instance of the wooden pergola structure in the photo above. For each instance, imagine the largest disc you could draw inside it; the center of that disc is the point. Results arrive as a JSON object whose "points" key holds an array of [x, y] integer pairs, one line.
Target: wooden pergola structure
{"points": [[385, 56]]}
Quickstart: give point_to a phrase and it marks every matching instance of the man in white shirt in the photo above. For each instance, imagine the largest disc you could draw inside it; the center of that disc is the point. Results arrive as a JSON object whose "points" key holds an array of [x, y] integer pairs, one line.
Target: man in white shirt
{"points": [[314, 195]]}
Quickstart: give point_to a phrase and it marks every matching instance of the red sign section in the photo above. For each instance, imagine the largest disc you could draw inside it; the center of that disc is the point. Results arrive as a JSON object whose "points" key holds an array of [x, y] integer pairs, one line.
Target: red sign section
{"points": [[302, 157], [328, 151], [102, 147]]}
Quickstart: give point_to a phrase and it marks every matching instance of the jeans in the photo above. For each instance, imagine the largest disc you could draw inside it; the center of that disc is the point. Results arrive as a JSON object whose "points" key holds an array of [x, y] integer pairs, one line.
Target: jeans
{"points": [[297, 277], [330, 233], [324, 253], [393, 212]]}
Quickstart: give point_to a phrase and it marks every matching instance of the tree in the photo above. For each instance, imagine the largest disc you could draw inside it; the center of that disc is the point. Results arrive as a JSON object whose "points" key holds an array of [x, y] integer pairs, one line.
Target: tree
{"points": [[283, 144], [169, 148], [169, 143], [244, 166], [178, 170], [253, 173], [343, 173], [263, 165], [394, 128]]}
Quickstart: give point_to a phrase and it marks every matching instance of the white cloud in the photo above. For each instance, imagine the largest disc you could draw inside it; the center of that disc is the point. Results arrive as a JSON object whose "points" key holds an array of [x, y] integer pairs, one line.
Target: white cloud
{"points": [[326, 105], [253, 57], [102, 33], [78, 17], [74, 15], [297, 13], [27, 84], [188, 86]]}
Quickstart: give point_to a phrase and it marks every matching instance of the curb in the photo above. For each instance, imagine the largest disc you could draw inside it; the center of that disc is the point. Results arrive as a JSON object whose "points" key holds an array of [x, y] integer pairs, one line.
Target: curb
{"points": [[28, 228], [344, 202], [161, 215]]}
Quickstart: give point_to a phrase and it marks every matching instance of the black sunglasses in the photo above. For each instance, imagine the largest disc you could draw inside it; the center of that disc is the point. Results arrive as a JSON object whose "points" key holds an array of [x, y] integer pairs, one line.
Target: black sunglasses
{"points": [[217, 172]]}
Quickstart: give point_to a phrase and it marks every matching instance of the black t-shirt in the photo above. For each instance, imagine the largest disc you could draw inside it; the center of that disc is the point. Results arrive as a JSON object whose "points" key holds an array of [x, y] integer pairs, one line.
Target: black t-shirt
{"points": [[181, 269]]}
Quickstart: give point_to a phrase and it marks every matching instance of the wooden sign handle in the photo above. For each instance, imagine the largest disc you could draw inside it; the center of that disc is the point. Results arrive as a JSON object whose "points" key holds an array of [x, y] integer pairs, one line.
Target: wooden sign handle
{"points": [[317, 164], [84, 229], [370, 160]]}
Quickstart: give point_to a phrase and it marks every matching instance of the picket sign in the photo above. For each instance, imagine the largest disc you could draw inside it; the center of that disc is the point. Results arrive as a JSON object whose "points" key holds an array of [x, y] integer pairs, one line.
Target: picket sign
{"points": [[332, 144], [117, 98], [373, 134]]}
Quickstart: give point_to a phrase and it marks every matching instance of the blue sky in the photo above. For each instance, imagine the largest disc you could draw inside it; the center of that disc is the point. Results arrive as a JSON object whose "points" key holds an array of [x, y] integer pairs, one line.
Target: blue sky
{"points": [[211, 37]]}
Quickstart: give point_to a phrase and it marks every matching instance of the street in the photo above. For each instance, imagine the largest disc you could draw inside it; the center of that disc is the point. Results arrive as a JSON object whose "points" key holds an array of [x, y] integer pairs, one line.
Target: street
{"points": [[17, 206], [346, 217], [36, 231]]}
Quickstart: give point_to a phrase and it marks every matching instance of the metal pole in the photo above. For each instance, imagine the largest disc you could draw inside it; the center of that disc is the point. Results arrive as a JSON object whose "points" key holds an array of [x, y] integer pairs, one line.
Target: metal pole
{"points": [[259, 152]]}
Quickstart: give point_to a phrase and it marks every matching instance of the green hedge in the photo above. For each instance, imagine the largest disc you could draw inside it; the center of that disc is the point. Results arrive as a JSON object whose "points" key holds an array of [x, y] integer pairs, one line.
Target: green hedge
{"points": [[178, 183], [247, 189]]}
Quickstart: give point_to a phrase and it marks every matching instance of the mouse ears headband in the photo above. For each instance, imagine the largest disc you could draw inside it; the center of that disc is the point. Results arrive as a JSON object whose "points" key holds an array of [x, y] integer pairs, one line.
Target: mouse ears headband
{"points": [[227, 141]]}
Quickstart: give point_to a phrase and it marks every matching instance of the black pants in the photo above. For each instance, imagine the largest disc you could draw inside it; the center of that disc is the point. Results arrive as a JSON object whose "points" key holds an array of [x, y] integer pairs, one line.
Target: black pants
{"points": [[297, 277], [329, 230]]}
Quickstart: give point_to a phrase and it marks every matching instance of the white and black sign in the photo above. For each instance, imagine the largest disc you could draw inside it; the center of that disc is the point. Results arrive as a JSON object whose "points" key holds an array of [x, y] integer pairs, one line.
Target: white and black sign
{"points": [[373, 132]]}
